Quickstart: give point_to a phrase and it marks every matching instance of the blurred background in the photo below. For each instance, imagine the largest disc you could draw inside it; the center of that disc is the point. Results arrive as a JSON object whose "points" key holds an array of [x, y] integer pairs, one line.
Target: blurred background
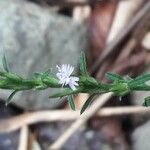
{"points": [[37, 35]]}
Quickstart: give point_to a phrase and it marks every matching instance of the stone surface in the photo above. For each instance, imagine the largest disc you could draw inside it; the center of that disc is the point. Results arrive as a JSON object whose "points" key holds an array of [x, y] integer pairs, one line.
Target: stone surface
{"points": [[141, 136], [35, 39], [82, 139], [9, 141]]}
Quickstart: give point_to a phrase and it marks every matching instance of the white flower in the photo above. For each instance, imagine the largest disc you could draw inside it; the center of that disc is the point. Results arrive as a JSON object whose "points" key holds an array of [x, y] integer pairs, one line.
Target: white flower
{"points": [[65, 78]]}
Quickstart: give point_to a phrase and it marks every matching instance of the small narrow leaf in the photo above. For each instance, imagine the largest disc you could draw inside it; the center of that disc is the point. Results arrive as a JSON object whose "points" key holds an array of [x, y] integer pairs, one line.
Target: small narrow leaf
{"points": [[147, 101], [10, 97], [143, 76], [37, 75], [83, 69], [47, 73], [87, 103], [140, 87], [71, 102], [114, 77], [65, 92], [88, 81], [51, 81], [140, 79], [5, 65]]}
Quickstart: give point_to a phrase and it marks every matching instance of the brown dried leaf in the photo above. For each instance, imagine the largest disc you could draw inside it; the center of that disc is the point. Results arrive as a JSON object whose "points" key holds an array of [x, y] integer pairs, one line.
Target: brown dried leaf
{"points": [[99, 25]]}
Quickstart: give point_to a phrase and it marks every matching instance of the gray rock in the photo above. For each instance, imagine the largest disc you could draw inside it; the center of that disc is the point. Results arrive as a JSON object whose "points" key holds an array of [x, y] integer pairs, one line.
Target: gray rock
{"points": [[138, 97], [141, 136], [47, 133], [35, 39]]}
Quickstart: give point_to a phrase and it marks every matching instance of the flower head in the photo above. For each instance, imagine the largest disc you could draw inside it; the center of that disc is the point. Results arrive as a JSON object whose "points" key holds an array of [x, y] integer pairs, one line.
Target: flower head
{"points": [[65, 78]]}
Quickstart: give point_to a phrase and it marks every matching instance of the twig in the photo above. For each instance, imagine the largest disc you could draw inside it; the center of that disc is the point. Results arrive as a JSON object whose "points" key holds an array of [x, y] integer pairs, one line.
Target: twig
{"points": [[112, 111], [23, 142], [9, 125], [123, 57], [80, 121], [127, 50], [124, 13], [111, 47]]}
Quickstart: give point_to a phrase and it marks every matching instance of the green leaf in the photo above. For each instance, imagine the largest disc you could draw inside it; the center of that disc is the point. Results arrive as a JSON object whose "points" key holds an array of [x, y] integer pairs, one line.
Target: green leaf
{"points": [[37, 75], [65, 92], [140, 79], [5, 65], [140, 87], [120, 89], [83, 69], [147, 101], [46, 73], [49, 74], [10, 97], [51, 82], [71, 102], [49, 71], [88, 81], [143, 76], [87, 103], [114, 77], [13, 77]]}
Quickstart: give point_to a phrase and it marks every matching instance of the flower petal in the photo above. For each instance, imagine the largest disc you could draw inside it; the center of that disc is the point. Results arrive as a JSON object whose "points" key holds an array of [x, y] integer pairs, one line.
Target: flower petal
{"points": [[65, 78], [72, 86]]}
